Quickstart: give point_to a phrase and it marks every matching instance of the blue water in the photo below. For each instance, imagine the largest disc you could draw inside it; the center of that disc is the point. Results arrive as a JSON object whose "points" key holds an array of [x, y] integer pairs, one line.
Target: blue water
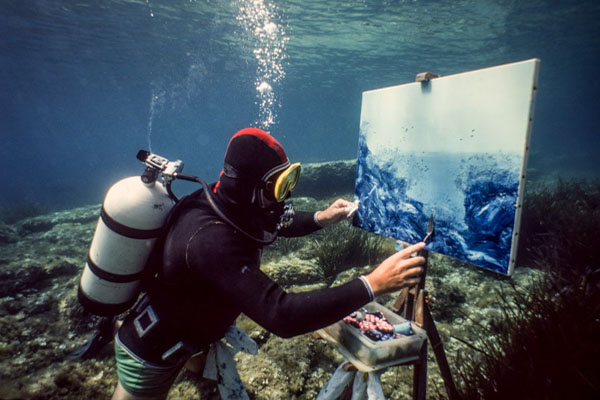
{"points": [[84, 85]]}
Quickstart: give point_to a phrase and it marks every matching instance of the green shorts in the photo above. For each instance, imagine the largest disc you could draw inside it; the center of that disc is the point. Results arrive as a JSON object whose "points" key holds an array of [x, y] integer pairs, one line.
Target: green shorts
{"points": [[143, 379]]}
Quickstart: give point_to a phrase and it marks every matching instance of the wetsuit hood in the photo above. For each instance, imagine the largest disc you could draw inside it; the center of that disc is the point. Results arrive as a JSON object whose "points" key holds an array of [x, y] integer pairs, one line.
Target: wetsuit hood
{"points": [[250, 155]]}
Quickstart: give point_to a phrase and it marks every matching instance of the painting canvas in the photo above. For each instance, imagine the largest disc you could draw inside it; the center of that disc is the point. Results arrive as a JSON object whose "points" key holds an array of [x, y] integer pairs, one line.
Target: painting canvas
{"points": [[454, 148]]}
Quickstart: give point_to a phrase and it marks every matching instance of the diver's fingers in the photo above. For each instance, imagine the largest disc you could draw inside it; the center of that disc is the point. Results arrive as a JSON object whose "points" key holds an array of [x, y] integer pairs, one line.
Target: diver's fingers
{"points": [[410, 273], [405, 253], [341, 203], [412, 282]]}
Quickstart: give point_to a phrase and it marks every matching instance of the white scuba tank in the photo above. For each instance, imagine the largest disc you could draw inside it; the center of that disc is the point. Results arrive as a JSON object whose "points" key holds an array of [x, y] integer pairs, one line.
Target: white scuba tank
{"points": [[130, 222]]}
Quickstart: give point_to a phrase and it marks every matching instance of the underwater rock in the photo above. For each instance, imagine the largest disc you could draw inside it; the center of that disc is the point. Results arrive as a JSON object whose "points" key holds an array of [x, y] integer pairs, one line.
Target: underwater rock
{"points": [[8, 234], [288, 368], [43, 223], [328, 179], [28, 279], [291, 270], [33, 225]]}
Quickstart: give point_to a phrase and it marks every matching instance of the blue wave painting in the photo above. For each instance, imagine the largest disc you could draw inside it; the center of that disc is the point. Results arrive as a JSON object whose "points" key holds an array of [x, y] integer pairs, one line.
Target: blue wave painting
{"points": [[451, 147], [472, 198]]}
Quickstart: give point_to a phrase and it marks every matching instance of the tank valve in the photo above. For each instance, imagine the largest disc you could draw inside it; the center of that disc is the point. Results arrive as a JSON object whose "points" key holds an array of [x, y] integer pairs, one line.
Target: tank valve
{"points": [[156, 165]]}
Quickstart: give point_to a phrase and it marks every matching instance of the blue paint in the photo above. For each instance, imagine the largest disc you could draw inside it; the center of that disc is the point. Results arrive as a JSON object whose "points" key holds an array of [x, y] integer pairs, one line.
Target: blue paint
{"points": [[474, 212]]}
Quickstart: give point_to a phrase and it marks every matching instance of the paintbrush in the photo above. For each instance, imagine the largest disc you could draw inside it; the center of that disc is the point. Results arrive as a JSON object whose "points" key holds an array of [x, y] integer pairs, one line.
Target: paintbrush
{"points": [[430, 229]]}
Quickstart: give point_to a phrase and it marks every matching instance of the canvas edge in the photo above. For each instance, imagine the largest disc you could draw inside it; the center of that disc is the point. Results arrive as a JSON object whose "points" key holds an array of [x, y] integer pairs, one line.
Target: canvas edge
{"points": [[459, 74], [521, 190], [362, 102], [354, 220]]}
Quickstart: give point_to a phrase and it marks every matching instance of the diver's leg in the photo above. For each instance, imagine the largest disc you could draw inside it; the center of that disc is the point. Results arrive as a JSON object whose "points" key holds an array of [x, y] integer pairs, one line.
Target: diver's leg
{"points": [[122, 394], [140, 380], [196, 363]]}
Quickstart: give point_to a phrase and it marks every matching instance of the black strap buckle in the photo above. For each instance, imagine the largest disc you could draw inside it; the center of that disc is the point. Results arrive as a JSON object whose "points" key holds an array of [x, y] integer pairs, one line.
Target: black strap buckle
{"points": [[146, 321], [179, 352]]}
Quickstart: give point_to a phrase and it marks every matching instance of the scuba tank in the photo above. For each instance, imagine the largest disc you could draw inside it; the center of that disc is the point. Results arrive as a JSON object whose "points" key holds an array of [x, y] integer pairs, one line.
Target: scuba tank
{"points": [[133, 213], [134, 217], [132, 220]]}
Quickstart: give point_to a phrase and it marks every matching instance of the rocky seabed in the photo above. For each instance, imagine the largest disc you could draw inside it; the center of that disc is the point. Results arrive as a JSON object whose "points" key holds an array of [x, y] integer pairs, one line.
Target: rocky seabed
{"points": [[41, 320]]}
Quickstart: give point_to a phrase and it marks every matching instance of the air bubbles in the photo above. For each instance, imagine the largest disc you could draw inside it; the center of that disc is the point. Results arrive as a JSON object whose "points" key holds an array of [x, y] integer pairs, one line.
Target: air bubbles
{"points": [[270, 28], [157, 100], [267, 41], [151, 12], [264, 88]]}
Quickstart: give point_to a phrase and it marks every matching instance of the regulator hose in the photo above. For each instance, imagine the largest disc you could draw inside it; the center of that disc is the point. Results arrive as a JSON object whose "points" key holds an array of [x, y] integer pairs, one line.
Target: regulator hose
{"points": [[217, 210]]}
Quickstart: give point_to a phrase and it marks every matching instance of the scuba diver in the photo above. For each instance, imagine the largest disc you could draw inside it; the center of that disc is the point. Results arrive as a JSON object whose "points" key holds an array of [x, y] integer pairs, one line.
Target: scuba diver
{"points": [[208, 270]]}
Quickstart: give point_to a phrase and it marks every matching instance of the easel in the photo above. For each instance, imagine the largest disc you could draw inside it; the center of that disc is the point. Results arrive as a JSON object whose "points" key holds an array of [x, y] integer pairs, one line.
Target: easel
{"points": [[412, 304]]}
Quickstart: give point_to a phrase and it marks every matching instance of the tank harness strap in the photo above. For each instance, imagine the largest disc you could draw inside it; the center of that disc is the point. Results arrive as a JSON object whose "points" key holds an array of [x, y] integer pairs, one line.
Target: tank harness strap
{"points": [[153, 266], [109, 276], [123, 230]]}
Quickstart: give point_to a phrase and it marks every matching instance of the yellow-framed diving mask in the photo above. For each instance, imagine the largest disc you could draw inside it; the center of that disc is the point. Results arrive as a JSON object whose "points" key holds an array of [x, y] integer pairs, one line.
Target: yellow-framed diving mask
{"points": [[279, 183], [286, 182]]}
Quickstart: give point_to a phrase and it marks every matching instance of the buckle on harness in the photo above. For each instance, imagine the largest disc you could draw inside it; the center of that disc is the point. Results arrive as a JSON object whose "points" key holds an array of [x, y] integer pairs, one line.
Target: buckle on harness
{"points": [[145, 321], [178, 352]]}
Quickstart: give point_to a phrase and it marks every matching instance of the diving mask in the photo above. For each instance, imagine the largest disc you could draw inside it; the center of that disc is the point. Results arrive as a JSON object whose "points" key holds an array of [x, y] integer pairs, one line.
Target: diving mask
{"points": [[286, 181]]}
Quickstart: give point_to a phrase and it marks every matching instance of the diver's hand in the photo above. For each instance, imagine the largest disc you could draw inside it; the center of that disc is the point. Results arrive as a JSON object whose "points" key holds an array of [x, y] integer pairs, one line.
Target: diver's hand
{"points": [[336, 212], [398, 271]]}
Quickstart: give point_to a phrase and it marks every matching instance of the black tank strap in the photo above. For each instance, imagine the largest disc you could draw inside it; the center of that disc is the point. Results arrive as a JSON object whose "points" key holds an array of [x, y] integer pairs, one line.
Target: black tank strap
{"points": [[155, 259], [127, 231]]}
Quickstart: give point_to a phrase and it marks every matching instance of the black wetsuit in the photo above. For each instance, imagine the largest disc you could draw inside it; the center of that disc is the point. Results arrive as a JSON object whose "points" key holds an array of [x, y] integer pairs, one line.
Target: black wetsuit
{"points": [[209, 275]]}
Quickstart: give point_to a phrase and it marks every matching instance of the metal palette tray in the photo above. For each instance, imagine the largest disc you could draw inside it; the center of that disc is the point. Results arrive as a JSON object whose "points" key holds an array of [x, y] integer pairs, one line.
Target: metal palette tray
{"points": [[367, 355]]}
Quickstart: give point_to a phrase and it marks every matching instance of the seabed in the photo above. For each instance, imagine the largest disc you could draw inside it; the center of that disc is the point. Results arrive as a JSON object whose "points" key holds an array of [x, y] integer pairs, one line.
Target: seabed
{"points": [[41, 321]]}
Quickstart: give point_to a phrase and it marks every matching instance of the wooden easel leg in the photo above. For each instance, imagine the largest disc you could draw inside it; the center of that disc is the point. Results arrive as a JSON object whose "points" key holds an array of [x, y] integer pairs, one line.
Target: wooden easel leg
{"points": [[409, 312], [420, 375], [420, 314], [440, 354], [405, 303], [400, 303]]}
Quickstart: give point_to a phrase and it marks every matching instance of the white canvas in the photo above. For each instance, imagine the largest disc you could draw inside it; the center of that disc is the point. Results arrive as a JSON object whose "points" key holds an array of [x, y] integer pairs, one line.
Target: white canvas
{"points": [[455, 148]]}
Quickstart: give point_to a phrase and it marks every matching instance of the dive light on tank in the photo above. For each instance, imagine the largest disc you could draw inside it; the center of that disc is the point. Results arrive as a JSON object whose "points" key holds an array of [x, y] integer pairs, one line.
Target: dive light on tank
{"points": [[133, 213]]}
